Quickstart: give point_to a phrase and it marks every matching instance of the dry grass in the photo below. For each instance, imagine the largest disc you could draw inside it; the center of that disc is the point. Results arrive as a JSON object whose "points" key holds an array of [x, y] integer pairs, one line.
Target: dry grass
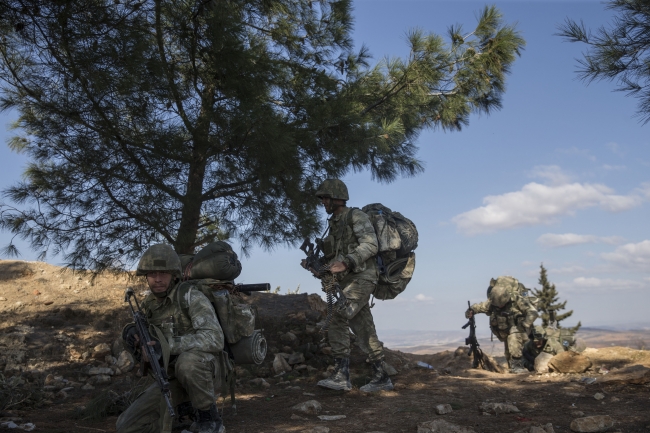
{"points": [[15, 393]]}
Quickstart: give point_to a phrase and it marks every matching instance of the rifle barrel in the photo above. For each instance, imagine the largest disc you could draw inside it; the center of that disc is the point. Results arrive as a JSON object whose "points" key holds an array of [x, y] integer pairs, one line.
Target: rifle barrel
{"points": [[260, 287]]}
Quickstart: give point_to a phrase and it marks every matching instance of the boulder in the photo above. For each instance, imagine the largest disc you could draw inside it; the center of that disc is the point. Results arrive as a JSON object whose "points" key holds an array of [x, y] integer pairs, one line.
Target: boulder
{"points": [[289, 338], [99, 379], [443, 409], [591, 424], [280, 365], [310, 407], [442, 426], [541, 362], [498, 408], [569, 362], [101, 350], [100, 370], [296, 358], [125, 361], [117, 347]]}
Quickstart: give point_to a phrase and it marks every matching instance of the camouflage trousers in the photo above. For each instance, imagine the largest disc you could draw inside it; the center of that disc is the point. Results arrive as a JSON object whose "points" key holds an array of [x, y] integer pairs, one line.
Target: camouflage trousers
{"points": [[514, 343], [195, 378], [355, 315]]}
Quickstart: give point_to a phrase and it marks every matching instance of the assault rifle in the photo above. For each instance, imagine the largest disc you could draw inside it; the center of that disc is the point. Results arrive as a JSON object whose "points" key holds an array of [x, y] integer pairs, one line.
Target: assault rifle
{"points": [[316, 264], [314, 261], [474, 346], [142, 328]]}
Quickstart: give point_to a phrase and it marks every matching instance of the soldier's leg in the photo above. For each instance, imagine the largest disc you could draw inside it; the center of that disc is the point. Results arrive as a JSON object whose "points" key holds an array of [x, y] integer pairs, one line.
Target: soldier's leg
{"points": [[361, 320], [515, 345], [357, 295], [338, 336], [198, 373], [143, 415]]}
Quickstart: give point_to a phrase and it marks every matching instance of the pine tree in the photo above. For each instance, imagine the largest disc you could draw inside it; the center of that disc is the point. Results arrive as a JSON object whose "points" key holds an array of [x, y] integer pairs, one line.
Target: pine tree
{"points": [[619, 53], [186, 121], [548, 301]]}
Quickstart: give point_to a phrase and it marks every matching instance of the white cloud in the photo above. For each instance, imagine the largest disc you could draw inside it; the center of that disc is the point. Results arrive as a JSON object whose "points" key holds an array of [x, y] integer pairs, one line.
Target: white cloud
{"points": [[537, 204], [551, 173], [421, 297], [552, 240], [591, 283], [631, 255], [614, 167]]}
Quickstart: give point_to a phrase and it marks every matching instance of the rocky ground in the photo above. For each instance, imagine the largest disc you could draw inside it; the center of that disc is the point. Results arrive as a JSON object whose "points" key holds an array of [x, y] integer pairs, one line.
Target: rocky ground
{"points": [[63, 371]]}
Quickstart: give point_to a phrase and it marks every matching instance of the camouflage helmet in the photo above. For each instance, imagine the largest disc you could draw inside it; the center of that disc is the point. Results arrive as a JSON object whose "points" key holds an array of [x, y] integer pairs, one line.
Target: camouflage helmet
{"points": [[539, 333], [333, 188], [159, 258], [499, 296]]}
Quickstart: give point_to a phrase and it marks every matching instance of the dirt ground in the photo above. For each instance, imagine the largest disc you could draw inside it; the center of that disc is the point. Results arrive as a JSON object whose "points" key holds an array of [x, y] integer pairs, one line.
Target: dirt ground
{"points": [[52, 321]]}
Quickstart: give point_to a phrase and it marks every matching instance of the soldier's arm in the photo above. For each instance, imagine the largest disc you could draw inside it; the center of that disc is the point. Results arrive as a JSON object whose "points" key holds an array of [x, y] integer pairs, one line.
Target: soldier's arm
{"points": [[365, 233], [481, 307], [208, 336], [529, 311]]}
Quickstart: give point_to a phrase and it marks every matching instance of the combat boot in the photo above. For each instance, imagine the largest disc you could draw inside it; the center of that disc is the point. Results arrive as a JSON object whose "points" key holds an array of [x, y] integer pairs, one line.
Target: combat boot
{"points": [[340, 378], [380, 379], [517, 366], [209, 421]]}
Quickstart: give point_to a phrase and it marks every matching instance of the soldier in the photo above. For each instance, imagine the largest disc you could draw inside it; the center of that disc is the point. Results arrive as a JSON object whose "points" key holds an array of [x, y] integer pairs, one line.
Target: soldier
{"points": [[540, 342], [350, 250], [551, 340], [191, 339], [511, 318]]}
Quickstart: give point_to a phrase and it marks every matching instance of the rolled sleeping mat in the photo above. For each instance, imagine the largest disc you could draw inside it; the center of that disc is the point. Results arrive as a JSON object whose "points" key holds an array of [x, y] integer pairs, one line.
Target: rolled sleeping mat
{"points": [[250, 350]]}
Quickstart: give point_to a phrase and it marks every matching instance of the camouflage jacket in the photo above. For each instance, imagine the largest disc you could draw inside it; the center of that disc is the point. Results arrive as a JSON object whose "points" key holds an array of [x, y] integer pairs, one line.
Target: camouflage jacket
{"points": [[518, 315], [194, 327], [553, 346], [352, 240]]}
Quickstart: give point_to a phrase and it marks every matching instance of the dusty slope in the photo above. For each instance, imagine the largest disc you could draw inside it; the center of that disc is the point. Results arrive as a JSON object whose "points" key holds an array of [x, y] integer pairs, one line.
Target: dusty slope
{"points": [[52, 321]]}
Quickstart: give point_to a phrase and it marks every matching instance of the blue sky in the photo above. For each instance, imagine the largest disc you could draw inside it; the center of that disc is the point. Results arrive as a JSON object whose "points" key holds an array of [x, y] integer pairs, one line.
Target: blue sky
{"points": [[561, 175]]}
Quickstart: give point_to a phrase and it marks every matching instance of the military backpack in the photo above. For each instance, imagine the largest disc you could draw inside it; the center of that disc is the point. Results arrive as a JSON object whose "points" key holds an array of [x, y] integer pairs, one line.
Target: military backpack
{"points": [[514, 288], [397, 237]]}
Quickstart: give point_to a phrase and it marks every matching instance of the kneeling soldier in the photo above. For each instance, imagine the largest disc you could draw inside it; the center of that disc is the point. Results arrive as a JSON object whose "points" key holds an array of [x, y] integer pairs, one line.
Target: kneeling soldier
{"points": [[190, 343]]}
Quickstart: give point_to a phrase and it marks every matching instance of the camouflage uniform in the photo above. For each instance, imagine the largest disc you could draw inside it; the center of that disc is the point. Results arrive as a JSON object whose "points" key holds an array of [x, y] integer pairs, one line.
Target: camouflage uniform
{"points": [[352, 240], [195, 342], [511, 323]]}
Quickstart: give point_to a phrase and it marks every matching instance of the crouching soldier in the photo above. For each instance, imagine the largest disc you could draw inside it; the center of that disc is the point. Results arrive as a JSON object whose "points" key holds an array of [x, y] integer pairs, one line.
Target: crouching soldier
{"points": [[189, 346], [550, 340], [511, 318]]}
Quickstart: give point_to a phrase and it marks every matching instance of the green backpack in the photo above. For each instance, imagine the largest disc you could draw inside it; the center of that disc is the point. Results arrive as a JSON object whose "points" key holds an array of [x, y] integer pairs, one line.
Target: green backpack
{"points": [[514, 287], [216, 261], [397, 237]]}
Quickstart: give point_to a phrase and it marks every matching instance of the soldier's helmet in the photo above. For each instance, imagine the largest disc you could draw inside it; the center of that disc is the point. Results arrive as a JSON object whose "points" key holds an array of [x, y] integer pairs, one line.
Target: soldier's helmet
{"points": [[333, 188], [159, 258], [499, 296], [539, 333]]}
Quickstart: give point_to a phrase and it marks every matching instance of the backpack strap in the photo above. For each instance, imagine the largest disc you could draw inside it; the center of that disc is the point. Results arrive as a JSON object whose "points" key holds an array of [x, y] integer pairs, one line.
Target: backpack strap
{"points": [[182, 296]]}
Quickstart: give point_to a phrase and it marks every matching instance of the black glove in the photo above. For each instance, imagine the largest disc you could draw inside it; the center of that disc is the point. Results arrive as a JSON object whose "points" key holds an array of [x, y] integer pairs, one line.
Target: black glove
{"points": [[469, 313], [128, 335]]}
